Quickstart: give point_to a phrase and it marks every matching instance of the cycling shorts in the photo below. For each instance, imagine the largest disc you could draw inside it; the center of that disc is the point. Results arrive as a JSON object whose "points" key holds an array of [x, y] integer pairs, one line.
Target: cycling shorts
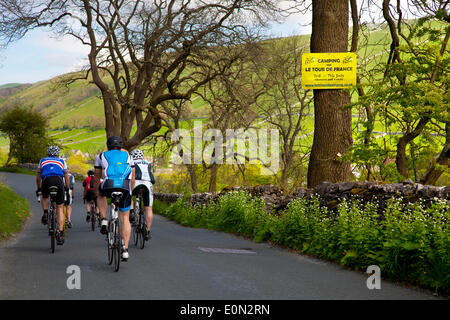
{"points": [[106, 188], [147, 192], [56, 181], [90, 195]]}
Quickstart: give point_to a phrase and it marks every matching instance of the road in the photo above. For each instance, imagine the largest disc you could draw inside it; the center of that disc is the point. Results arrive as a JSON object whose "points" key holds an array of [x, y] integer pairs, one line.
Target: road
{"points": [[178, 263]]}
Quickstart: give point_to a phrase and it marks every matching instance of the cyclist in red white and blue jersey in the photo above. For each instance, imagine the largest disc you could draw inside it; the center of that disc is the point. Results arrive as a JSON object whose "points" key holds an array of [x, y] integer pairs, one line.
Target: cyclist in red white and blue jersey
{"points": [[53, 171]]}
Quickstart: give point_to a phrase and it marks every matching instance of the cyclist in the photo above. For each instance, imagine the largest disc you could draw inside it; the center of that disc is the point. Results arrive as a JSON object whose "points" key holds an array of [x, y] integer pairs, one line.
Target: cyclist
{"points": [[89, 193], [69, 200], [52, 171], [144, 181], [118, 169]]}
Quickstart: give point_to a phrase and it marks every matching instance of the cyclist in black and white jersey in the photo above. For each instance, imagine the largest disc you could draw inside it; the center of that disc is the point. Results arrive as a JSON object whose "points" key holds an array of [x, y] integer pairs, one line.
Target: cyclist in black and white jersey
{"points": [[144, 181], [69, 199]]}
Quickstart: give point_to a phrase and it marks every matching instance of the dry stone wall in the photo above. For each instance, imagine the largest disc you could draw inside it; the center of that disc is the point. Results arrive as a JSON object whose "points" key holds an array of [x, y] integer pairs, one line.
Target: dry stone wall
{"points": [[330, 194]]}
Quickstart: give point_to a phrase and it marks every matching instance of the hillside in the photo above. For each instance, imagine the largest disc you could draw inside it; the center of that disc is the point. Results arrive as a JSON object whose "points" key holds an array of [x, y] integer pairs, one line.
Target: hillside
{"points": [[10, 89]]}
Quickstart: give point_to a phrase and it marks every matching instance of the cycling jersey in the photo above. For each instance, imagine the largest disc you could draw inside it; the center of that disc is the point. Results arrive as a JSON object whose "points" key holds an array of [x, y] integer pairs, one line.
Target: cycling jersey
{"points": [[88, 183], [71, 185], [52, 166], [117, 166], [71, 181], [116, 163], [143, 171], [144, 181]]}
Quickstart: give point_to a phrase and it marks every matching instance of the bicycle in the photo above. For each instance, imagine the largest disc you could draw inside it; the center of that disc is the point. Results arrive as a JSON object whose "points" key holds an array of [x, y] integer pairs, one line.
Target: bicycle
{"points": [[52, 218], [94, 215], [139, 227], [113, 237]]}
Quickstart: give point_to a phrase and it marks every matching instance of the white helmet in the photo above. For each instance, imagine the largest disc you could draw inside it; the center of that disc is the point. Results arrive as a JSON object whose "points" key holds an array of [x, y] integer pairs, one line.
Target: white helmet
{"points": [[53, 151], [137, 154]]}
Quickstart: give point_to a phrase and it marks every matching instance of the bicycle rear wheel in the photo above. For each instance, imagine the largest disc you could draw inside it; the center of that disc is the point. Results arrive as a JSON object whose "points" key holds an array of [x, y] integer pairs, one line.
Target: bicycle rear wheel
{"points": [[141, 228], [52, 228], [110, 242], [92, 217], [117, 246], [143, 232], [134, 231]]}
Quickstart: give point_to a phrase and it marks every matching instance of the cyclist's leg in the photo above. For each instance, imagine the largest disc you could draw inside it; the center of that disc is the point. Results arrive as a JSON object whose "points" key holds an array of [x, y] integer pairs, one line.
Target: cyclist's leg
{"points": [[148, 202], [88, 202], [45, 194], [97, 210], [45, 202], [61, 216], [69, 211], [132, 213], [102, 204], [60, 203], [88, 206], [69, 215], [125, 206], [126, 227], [149, 217]]}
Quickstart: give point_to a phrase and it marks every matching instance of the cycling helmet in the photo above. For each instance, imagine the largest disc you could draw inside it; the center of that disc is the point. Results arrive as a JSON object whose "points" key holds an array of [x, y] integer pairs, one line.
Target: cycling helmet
{"points": [[90, 172], [137, 154], [53, 151], [114, 142]]}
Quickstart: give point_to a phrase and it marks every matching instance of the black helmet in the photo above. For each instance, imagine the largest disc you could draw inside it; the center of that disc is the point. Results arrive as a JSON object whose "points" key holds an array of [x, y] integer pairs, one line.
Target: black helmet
{"points": [[114, 142], [90, 172]]}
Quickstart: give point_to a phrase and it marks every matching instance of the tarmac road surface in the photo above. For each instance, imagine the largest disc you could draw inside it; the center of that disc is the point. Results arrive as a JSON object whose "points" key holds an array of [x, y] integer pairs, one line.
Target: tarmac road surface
{"points": [[178, 263]]}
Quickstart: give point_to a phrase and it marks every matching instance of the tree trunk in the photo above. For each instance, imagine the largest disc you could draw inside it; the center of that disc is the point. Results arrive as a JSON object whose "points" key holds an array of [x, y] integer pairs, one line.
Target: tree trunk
{"points": [[433, 174], [332, 124], [400, 158], [284, 180], [213, 178], [193, 175]]}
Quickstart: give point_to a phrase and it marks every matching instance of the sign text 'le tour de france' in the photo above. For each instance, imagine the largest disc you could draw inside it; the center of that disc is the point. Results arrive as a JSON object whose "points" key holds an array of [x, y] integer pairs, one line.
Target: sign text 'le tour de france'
{"points": [[335, 70]]}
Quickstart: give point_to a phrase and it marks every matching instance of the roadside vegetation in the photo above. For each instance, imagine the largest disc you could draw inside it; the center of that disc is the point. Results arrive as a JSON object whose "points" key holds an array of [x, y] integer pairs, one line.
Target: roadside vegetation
{"points": [[409, 242], [14, 210]]}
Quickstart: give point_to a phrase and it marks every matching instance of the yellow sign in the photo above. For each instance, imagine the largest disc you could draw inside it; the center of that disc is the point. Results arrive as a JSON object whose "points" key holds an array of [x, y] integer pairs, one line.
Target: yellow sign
{"points": [[335, 70]]}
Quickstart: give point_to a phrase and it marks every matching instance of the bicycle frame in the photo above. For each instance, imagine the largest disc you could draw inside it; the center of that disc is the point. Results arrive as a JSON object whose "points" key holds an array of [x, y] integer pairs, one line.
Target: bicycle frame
{"points": [[140, 227], [114, 237]]}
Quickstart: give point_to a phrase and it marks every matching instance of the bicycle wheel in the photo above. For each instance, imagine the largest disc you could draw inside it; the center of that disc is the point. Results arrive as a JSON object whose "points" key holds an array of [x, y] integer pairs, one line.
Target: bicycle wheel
{"points": [[92, 213], [110, 242], [52, 231], [134, 231], [117, 246], [135, 224], [141, 228], [143, 232]]}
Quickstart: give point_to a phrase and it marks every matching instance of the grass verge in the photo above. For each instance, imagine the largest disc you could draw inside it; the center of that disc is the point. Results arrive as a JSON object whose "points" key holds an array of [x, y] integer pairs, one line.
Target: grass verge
{"points": [[13, 211], [17, 170]]}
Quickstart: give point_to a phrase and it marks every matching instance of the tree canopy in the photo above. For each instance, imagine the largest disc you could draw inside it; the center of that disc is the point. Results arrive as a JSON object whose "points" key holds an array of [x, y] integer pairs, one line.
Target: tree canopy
{"points": [[27, 133]]}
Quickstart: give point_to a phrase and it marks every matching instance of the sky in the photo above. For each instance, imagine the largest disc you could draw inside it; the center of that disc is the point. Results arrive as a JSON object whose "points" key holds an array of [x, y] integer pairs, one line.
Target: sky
{"points": [[40, 56]]}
